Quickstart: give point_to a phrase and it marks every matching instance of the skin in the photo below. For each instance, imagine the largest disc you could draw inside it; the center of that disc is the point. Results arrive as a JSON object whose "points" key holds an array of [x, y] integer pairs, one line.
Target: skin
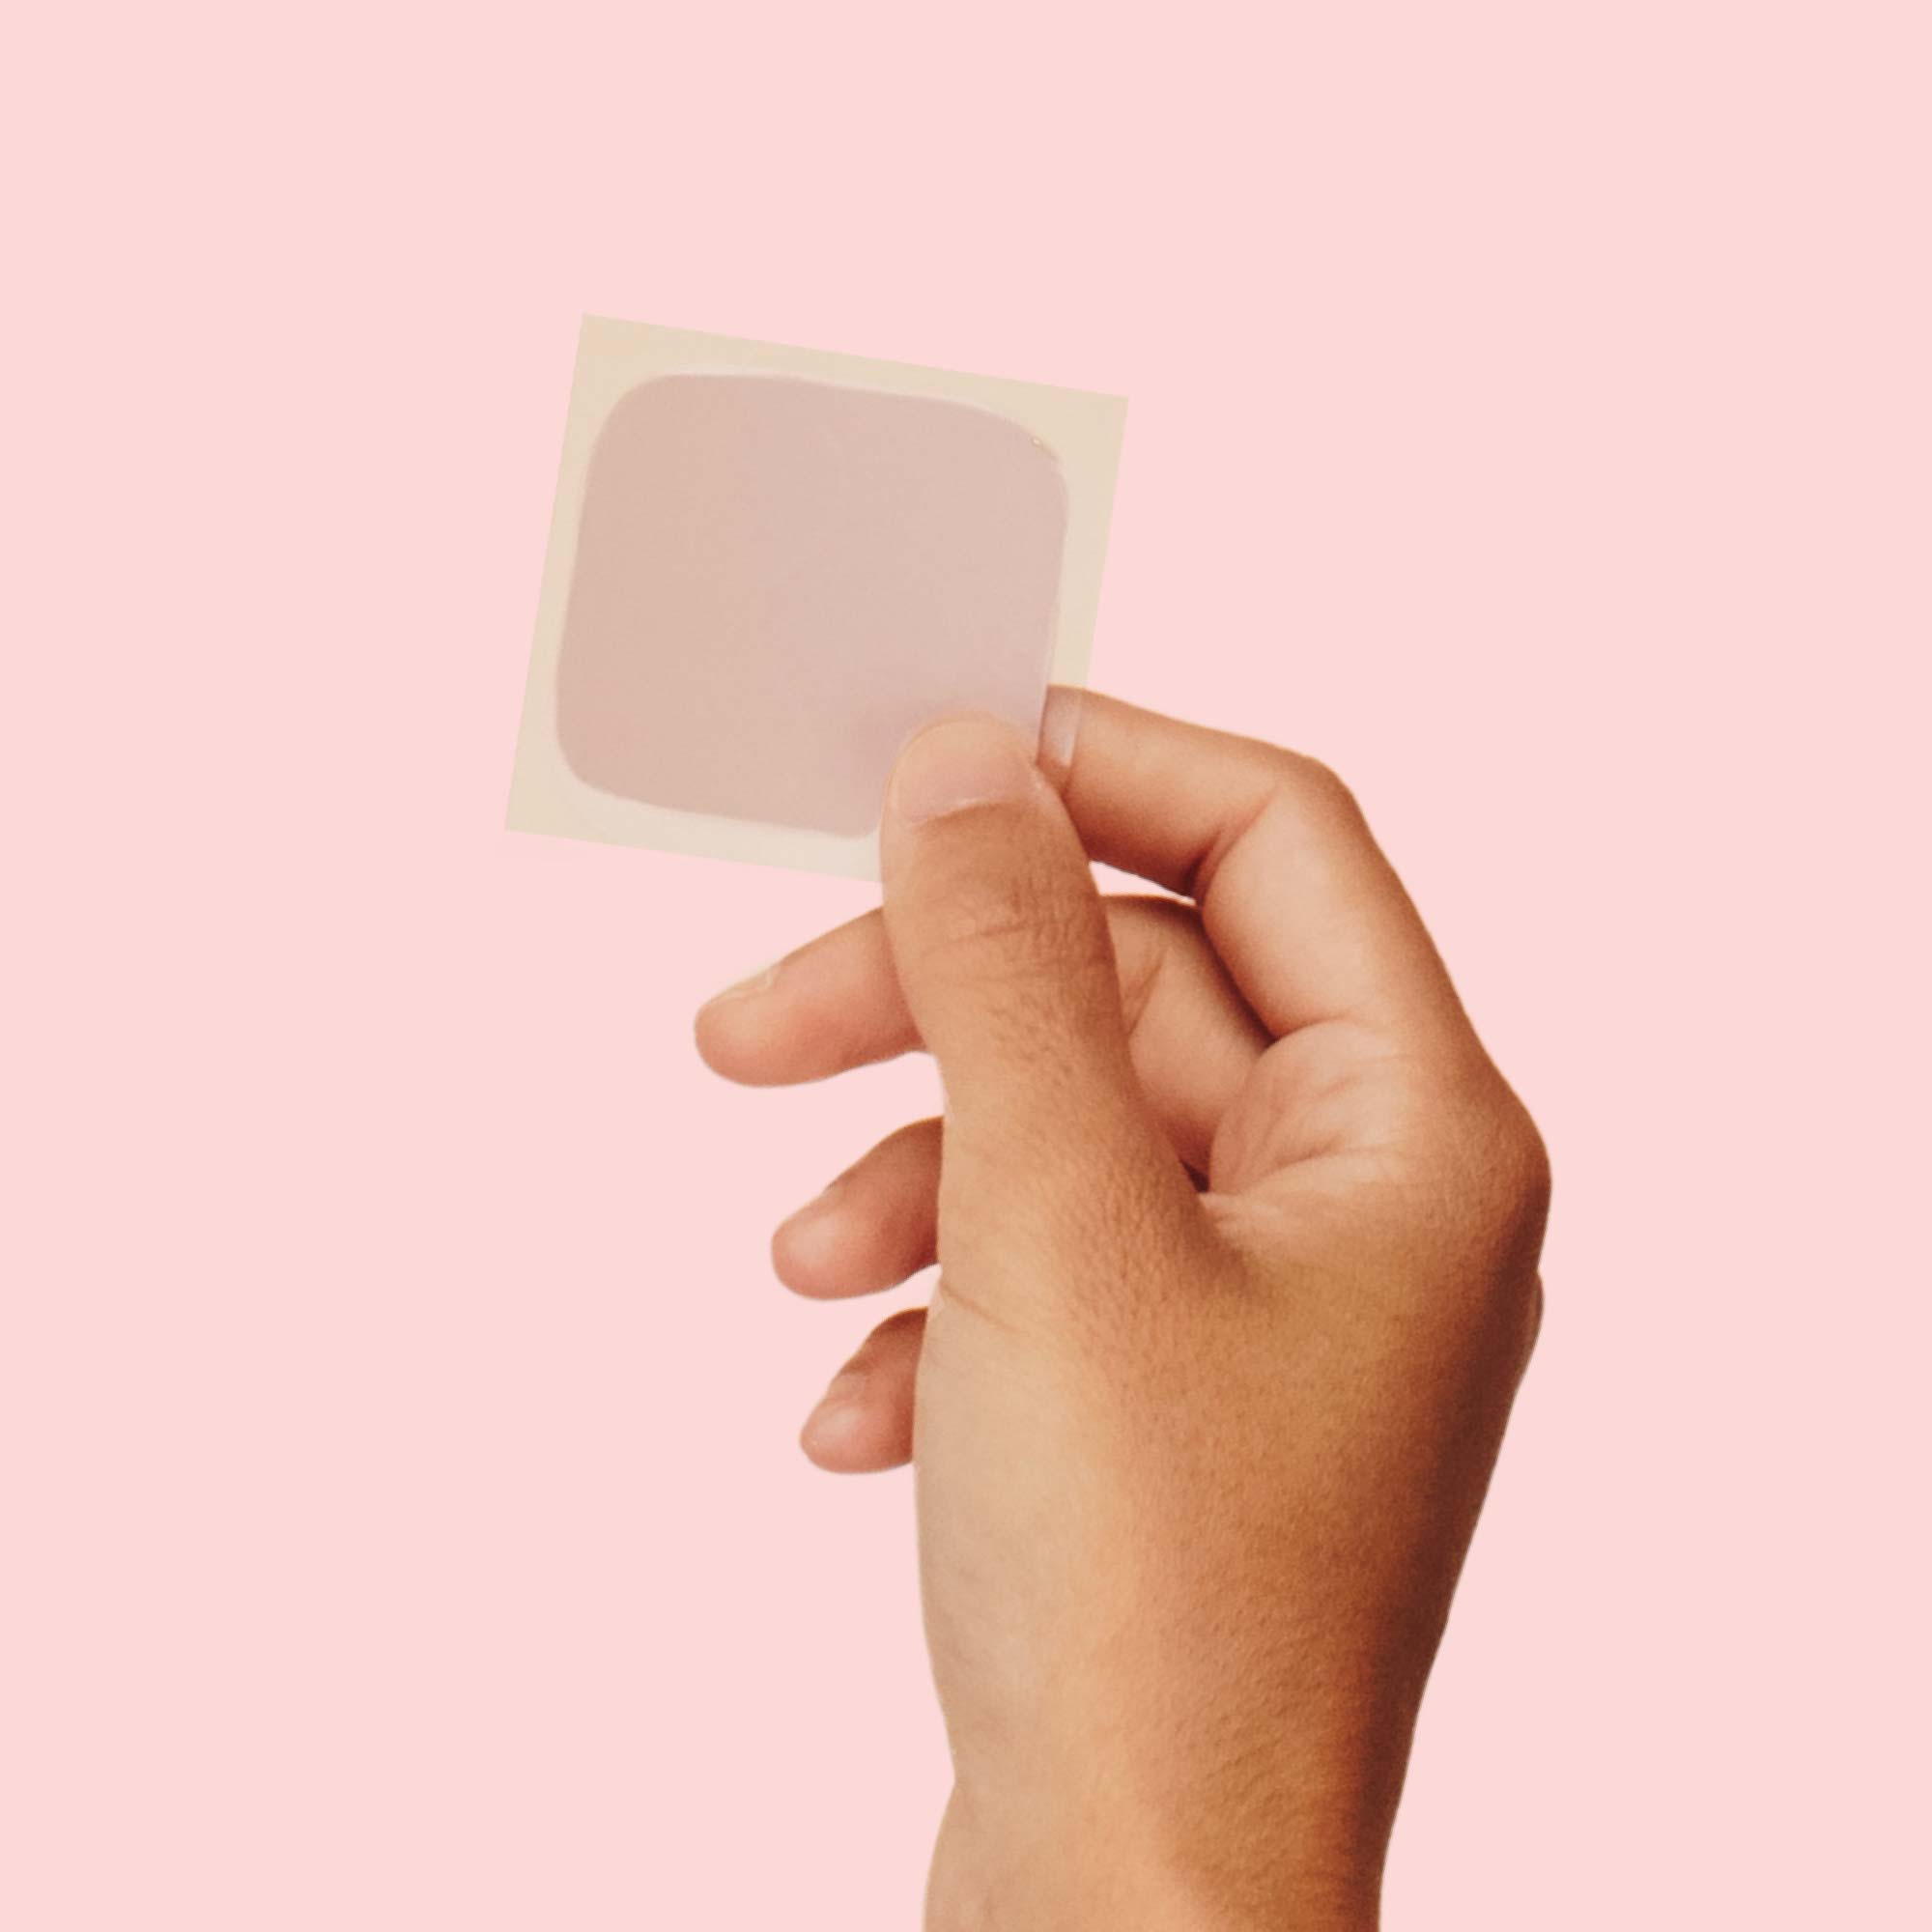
{"points": [[1238, 1230]]}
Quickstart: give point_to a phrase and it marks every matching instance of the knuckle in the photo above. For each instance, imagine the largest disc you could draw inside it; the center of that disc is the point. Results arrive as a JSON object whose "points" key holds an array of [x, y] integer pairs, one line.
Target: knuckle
{"points": [[1300, 788], [1533, 1328], [1013, 928], [1510, 1174], [1533, 1175], [987, 912], [1491, 1187], [1311, 787]]}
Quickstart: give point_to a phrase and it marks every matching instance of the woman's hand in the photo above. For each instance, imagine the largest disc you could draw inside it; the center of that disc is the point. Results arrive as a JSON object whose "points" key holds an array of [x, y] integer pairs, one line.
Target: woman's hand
{"points": [[1237, 1232]]}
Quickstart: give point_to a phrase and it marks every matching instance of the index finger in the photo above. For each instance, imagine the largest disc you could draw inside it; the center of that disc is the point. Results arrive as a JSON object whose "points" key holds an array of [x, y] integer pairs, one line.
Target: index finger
{"points": [[1302, 906]]}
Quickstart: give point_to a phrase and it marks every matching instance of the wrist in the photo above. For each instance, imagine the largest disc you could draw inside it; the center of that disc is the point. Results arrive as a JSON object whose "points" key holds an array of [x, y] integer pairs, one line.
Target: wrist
{"points": [[994, 1870]]}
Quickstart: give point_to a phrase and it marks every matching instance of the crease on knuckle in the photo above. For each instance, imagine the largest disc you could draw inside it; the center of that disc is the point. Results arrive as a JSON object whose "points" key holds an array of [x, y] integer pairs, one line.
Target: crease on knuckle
{"points": [[1016, 931]]}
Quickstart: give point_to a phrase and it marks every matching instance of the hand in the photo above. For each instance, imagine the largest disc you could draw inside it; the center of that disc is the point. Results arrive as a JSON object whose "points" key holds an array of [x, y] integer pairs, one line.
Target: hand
{"points": [[1238, 1230]]}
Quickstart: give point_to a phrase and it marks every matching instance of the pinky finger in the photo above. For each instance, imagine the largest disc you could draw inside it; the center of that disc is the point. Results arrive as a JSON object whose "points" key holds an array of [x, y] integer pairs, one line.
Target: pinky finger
{"points": [[863, 1420]]}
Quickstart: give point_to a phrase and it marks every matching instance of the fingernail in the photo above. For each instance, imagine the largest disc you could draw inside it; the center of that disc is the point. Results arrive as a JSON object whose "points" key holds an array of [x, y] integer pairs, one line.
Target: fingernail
{"points": [[961, 763], [803, 1221], [1059, 727], [836, 1411], [758, 983], [847, 1385]]}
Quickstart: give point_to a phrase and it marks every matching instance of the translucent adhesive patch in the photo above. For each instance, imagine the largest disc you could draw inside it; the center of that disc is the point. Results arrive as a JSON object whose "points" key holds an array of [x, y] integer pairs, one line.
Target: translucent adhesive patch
{"points": [[768, 567]]}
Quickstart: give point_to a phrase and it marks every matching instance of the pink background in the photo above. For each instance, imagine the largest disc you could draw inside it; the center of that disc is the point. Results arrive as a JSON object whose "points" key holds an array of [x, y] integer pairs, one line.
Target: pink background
{"points": [[1530, 416]]}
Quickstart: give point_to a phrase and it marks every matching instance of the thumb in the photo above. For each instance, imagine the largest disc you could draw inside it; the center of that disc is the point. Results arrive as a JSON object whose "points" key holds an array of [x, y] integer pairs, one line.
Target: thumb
{"points": [[1002, 948]]}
